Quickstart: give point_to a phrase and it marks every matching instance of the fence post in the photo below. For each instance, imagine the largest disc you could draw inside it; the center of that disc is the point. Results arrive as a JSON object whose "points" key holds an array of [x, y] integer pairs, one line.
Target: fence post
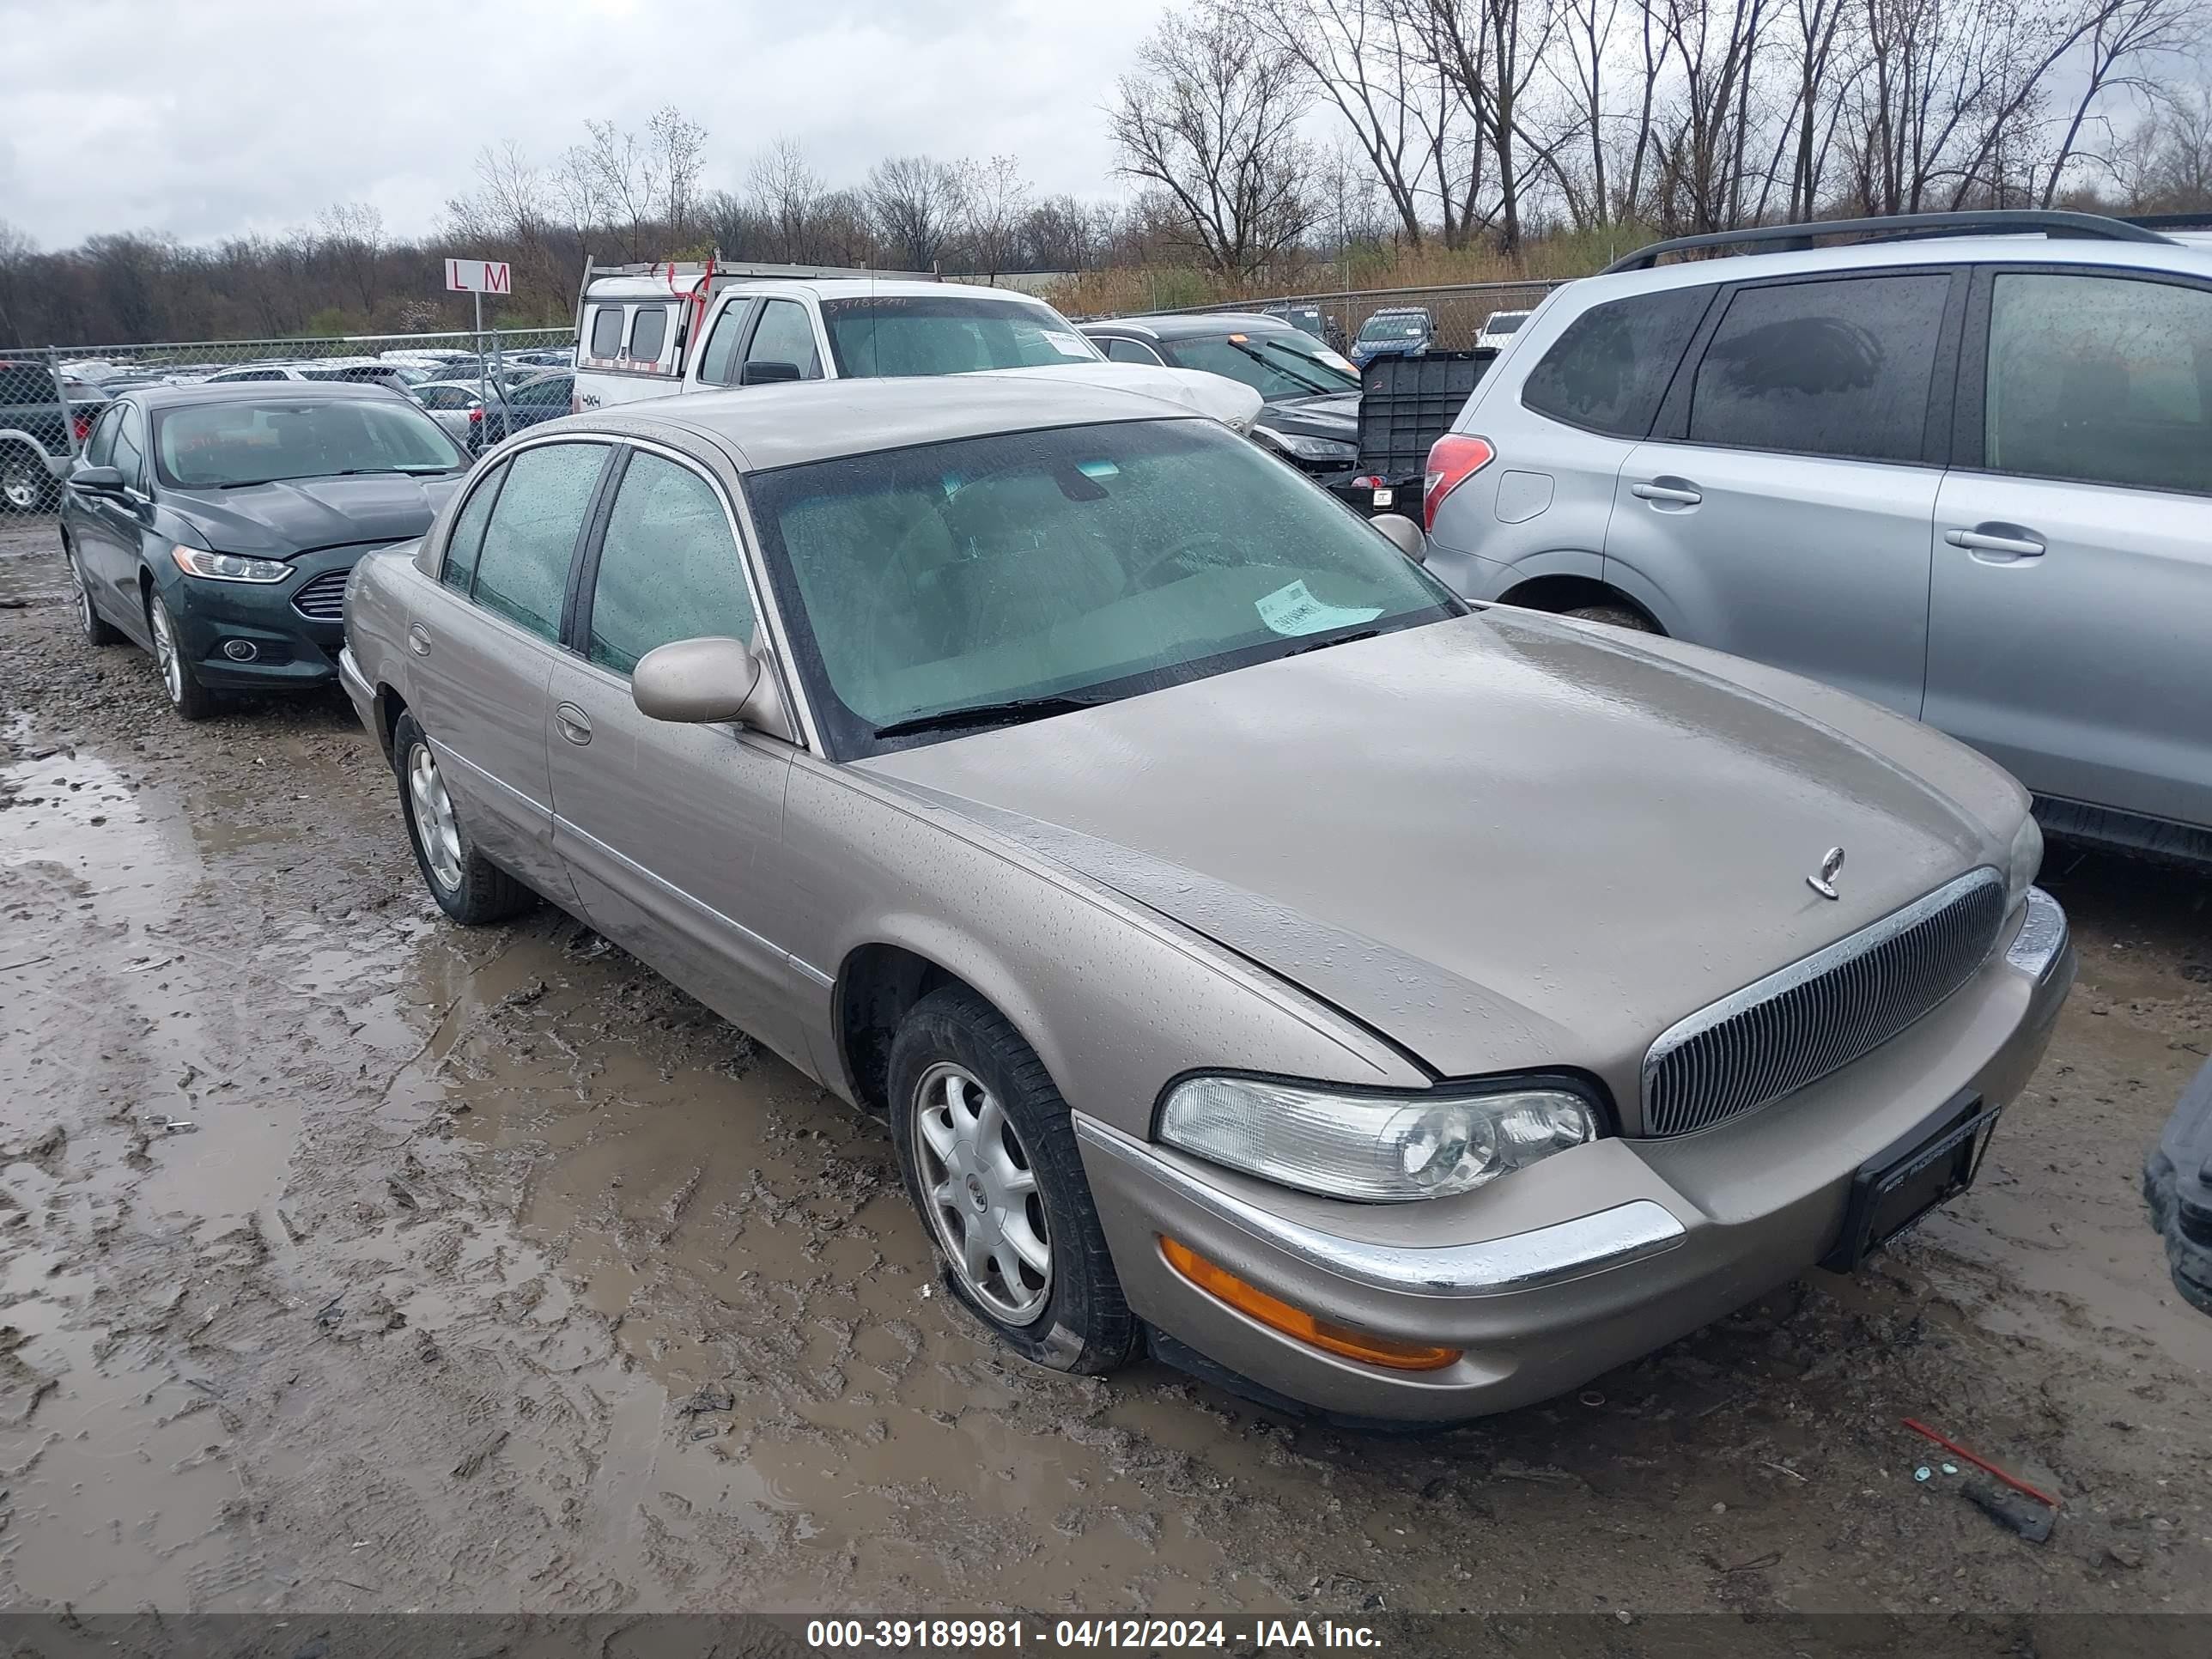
{"points": [[53, 357]]}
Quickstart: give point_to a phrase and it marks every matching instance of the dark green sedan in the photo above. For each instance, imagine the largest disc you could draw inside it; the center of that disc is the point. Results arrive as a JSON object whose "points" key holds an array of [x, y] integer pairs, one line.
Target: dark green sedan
{"points": [[216, 525]]}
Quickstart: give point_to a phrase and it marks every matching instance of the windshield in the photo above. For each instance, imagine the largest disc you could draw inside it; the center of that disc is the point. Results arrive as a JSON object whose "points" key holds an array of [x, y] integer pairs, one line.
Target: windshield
{"points": [[1383, 326], [1277, 366], [1505, 322], [1088, 563], [947, 334], [221, 446]]}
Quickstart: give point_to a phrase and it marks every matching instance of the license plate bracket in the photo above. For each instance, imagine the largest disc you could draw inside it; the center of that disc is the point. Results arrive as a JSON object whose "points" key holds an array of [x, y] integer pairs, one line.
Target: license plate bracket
{"points": [[1915, 1173]]}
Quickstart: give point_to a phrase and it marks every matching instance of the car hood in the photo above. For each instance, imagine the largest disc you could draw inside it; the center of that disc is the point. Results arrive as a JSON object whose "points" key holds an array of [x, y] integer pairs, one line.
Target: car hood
{"points": [[1230, 402], [1331, 415], [275, 520], [1502, 842]]}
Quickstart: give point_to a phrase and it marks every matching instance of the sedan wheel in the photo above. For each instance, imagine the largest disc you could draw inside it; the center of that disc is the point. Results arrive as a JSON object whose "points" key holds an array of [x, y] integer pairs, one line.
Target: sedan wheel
{"points": [[191, 700], [433, 818], [24, 485], [983, 1199], [468, 886]]}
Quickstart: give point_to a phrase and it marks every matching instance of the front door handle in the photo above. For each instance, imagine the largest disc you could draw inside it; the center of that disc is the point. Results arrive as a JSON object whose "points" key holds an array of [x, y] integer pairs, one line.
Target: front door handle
{"points": [[575, 724], [1669, 492], [2009, 539], [418, 640]]}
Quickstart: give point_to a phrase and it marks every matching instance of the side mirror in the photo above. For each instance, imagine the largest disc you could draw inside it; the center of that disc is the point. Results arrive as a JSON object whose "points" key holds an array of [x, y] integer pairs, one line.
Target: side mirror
{"points": [[98, 480], [1404, 534], [693, 682], [768, 374]]}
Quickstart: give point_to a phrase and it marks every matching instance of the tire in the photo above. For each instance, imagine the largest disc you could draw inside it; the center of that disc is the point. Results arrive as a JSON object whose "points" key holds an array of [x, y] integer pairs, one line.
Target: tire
{"points": [[1614, 616], [1001, 1183], [25, 485], [97, 630], [468, 886], [191, 699]]}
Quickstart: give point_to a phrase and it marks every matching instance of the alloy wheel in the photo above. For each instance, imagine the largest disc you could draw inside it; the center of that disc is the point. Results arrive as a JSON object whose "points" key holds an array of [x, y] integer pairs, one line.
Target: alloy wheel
{"points": [[981, 1193], [22, 485], [85, 614], [436, 827], [165, 652]]}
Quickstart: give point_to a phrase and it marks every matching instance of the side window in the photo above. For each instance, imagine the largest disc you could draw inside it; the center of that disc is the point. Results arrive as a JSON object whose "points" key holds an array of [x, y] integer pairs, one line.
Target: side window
{"points": [[606, 331], [1838, 368], [129, 455], [523, 570], [785, 336], [99, 447], [715, 362], [1610, 367], [459, 569], [1130, 351], [2104, 379], [646, 331], [668, 568]]}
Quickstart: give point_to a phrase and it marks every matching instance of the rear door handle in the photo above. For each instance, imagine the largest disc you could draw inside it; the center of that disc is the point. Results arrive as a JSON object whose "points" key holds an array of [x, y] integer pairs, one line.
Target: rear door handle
{"points": [[418, 640], [2009, 539], [575, 724], [1673, 492]]}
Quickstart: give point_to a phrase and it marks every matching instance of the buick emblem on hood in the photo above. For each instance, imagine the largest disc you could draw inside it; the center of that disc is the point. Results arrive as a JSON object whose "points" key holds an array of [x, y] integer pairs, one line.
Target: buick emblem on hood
{"points": [[1825, 882]]}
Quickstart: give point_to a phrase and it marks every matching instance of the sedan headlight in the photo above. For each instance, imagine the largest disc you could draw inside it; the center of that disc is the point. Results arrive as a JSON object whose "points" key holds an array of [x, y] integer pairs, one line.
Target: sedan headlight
{"points": [[227, 567], [1378, 1148], [1309, 449], [2023, 862]]}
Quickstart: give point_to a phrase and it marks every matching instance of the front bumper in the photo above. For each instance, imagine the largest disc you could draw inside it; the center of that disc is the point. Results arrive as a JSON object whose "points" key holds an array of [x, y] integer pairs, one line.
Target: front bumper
{"points": [[2177, 1186], [1588, 1260], [291, 650]]}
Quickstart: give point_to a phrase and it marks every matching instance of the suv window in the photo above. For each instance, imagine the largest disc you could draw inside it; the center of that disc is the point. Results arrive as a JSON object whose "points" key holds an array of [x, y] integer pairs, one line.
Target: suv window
{"points": [[523, 570], [607, 332], [721, 350], [459, 569], [101, 444], [646, 331], [785, 336], [1130, 351], [1839, 368], [2104, 379], [1610, 367], [668, 568]]}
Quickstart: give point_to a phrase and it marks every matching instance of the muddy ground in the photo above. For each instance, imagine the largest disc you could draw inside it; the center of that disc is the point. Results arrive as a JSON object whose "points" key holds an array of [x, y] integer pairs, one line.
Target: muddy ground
{"points": [[351, 1259]]}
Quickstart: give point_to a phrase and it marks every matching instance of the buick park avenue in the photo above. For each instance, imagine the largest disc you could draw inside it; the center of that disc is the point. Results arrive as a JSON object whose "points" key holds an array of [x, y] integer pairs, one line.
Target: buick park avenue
{"points": [[1263, 958]]}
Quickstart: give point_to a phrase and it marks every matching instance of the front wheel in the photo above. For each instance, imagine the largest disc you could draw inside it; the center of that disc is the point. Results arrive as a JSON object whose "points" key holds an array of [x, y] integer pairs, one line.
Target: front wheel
{"points": [[26, 486], [191, 700], [468, 886], [988, 1151]]}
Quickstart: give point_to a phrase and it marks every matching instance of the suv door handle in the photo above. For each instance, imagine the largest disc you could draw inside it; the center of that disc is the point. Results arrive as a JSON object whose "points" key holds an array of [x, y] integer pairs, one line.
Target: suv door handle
{"points": [[418, 640], [575, 724], [2007, 538], [1673, 492]]}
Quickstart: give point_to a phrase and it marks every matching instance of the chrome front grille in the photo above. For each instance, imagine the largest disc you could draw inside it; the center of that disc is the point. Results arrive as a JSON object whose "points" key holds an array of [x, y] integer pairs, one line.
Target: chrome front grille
{"points": [[1795, 1027], [323, 598]]}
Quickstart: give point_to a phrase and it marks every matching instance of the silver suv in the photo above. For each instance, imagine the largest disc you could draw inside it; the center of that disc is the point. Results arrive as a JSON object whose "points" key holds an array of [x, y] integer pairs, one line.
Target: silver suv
{"points": [[1962, 471]]}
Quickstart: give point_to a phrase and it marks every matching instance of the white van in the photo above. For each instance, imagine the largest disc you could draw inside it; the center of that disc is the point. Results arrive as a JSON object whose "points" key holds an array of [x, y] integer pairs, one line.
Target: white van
{"points": [[653, 330]]}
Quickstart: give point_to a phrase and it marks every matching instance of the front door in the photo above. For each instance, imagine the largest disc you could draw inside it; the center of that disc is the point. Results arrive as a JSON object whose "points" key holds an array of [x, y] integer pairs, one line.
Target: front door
{"points": [[669, 831], [2072, 599], [1786, 516]]}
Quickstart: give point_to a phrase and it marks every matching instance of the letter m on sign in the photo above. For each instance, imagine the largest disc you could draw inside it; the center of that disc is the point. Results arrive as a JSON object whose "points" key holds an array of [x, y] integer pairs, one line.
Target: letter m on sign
{"points": [[496, 278]]}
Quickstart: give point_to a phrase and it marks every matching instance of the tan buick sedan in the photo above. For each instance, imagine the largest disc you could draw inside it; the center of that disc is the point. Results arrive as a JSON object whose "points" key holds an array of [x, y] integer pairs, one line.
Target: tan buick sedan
{"points": [[1400, 1009]]}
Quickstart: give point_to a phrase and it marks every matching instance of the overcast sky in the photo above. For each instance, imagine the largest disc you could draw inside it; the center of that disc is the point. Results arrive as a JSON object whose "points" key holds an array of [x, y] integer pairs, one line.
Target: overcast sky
{"points": [[210, 117]]}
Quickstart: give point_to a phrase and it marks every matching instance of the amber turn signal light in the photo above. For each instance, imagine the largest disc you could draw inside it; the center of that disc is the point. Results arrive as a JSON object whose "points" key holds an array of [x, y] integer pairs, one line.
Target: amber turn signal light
{"points": [[1296, 1322]]}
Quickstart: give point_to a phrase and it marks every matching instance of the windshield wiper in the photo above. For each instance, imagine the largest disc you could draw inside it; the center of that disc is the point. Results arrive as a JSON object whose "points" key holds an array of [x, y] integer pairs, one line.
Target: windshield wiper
{"points": [[1299, 357], [1288, 374], [1012, 712], [1333, 639]]}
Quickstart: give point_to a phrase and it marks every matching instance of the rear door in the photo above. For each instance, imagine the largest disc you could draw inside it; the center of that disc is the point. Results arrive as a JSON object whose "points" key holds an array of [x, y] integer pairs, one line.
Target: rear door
{"points": [[669, 831], [1784, 502], [2070, 623], [485, 646]]}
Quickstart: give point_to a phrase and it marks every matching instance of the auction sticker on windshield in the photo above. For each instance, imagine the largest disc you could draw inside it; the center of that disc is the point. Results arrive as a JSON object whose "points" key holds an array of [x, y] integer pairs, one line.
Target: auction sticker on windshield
{"points": [[1294, 610]]}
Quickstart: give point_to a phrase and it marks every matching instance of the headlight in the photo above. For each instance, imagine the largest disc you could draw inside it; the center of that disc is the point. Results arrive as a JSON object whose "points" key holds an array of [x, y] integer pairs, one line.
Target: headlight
{"points": [[1310, 449], [227, 567], [1382, 1149], [2023, 860]]}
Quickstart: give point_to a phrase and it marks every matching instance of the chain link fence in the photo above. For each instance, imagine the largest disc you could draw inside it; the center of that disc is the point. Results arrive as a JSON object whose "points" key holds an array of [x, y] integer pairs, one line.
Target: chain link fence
{"points": [[1455, 313], [481, 388]]}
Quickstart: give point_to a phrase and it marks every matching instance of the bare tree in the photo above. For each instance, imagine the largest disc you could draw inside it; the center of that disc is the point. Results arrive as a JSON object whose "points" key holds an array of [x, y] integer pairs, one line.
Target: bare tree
{"points": [[994, 200], [2125, 37], [353, 239], [915, 202], [679, 148], [1210, 120], [624, 180], [785, 192], [1490, 51]]}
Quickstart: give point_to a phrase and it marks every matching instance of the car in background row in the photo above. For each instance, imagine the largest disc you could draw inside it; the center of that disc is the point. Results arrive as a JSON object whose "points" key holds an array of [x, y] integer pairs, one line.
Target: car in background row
{"points": [[1961, 467], [1395, 331], [1029, 762], [1312, 319], [36, 427], [1309, 396], [1498, 328], [348, 371], [216, 525], [476, 421]]}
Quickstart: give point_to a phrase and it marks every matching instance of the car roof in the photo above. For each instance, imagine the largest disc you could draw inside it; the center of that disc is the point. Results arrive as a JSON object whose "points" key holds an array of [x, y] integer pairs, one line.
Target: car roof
{"points": [[788, 424], [244, 391], [1186, 325]]}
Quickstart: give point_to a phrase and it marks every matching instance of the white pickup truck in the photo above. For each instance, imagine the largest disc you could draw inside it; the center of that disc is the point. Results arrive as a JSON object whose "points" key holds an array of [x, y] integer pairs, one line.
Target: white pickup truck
{"points": [[652, 330]]}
